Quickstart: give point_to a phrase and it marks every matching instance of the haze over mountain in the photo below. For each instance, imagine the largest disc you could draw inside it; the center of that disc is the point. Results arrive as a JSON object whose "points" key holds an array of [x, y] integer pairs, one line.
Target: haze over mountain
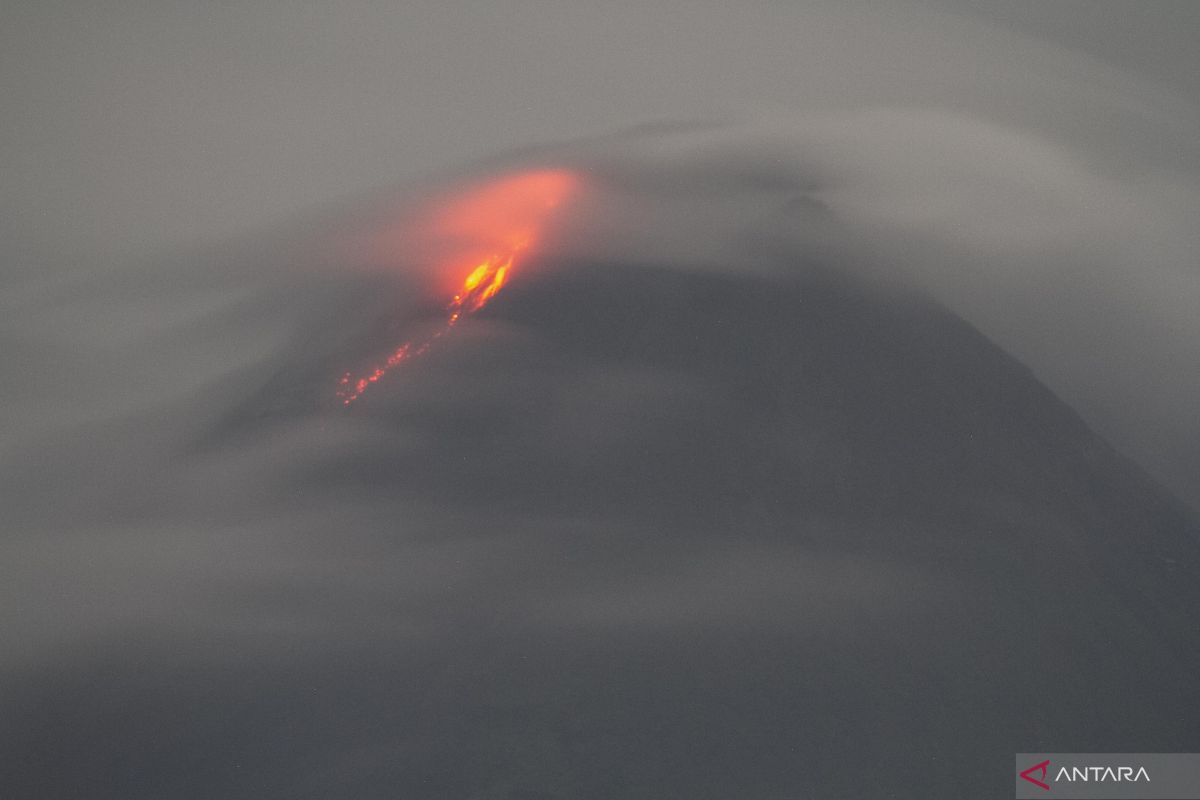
{"points": [[633, 531], [563, 400], [1037, 163]]}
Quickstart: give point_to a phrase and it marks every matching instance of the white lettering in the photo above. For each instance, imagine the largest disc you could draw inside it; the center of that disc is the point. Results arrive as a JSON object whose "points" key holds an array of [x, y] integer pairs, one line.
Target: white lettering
{"points": [[1102, 774]]}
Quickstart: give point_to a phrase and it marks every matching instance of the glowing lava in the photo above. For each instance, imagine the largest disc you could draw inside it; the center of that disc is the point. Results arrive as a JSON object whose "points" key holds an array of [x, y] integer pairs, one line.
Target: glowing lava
{"points": [[505, 217], [479, 287]]}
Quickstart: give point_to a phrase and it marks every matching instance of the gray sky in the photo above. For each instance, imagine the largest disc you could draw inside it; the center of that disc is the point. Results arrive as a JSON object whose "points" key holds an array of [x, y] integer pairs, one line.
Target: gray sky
{"points": [[141, 124]]}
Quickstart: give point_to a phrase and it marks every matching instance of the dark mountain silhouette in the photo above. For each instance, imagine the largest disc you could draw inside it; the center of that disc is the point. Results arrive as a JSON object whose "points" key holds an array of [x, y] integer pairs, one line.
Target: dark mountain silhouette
{"points": [[741, 537]]}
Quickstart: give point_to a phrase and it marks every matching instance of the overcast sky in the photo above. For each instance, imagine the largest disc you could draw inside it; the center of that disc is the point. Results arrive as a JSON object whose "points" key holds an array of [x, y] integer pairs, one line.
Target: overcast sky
{"points": [[132, 124]]}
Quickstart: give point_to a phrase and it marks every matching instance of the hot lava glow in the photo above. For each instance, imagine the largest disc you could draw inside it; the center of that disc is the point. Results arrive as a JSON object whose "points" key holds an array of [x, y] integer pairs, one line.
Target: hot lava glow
{"points": [[505, 218]]}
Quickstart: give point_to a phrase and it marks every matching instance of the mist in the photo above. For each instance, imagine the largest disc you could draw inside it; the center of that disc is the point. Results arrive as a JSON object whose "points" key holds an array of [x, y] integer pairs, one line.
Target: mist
{"points": [[846, 308]]}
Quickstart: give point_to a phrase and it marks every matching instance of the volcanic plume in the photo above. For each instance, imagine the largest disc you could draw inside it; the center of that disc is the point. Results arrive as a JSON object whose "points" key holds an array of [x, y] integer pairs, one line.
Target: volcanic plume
{"points": [[487, 227]]}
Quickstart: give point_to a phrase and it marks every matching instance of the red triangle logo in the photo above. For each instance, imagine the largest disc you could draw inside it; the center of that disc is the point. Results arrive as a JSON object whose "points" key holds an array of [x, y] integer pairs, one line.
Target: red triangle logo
{"points": [[1028, 774]]}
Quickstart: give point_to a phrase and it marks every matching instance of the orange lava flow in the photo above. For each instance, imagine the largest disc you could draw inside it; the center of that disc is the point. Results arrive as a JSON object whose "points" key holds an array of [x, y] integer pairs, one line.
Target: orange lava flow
{"points": [[508, 216], [478, 288]]}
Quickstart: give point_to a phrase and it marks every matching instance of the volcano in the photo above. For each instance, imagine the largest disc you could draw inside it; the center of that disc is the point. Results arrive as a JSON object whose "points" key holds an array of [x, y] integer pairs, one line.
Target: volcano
{"points": [[639, 531]]}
